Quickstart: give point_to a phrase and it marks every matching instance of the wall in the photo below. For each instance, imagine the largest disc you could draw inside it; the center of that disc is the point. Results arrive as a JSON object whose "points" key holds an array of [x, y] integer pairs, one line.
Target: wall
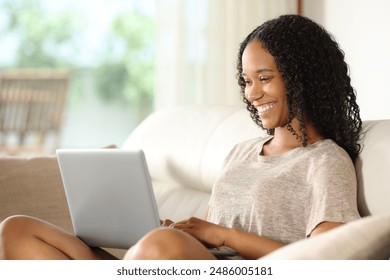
{"points": [[362, 29]]}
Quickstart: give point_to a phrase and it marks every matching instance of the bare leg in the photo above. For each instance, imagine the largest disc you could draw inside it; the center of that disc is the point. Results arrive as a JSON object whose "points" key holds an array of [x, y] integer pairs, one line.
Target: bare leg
{"points": [[169, 244], [23, 237]]}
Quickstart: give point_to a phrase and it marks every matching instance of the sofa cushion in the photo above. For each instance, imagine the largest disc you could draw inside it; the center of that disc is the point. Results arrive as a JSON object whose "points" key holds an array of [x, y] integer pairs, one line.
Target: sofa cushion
{"points": [[367, 238], [33, 186]]}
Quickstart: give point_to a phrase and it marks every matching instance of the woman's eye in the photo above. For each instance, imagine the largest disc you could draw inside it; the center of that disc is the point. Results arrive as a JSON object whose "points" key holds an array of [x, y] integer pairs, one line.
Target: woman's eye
{"points": [[264, 79], [247, 82]]}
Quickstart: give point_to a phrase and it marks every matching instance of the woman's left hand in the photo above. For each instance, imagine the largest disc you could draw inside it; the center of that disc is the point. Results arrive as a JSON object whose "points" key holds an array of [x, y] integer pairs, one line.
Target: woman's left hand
{"points": [[206, 232]]}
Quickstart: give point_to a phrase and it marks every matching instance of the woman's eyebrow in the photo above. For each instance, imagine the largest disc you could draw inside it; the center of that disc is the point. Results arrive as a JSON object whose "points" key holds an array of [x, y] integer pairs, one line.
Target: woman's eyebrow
{"points": [[261, 70]]}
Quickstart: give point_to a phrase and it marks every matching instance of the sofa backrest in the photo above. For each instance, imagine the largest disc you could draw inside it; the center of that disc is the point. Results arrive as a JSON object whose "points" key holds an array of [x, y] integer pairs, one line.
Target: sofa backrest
{"points": [[373, 168], [185, 147]]}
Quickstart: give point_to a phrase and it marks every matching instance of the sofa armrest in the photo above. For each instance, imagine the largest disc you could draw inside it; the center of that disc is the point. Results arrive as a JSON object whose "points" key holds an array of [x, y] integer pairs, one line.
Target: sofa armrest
{"points": [[363, 239], [33, 186]]}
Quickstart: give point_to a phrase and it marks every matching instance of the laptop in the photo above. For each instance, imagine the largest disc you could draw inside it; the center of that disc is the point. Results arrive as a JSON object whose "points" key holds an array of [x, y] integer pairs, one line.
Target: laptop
{"points": [[109, 194]]}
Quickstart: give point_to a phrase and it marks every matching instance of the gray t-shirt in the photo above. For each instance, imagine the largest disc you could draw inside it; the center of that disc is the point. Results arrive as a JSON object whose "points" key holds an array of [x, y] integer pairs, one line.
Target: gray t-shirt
{"points": [[284, 197]]}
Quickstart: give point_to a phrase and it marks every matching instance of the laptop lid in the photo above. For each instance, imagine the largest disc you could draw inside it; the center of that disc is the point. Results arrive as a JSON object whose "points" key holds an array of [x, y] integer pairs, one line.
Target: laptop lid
{"points": [[110, 195]]}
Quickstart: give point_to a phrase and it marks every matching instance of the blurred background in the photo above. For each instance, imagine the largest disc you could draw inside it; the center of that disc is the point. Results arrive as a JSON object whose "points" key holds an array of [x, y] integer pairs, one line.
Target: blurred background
{"points": [[85, 73], [113, 51], [108, 47]]}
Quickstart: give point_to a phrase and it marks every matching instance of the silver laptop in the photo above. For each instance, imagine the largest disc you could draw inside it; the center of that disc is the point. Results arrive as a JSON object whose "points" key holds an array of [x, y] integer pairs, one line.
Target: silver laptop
{"points": [[110, 196]]}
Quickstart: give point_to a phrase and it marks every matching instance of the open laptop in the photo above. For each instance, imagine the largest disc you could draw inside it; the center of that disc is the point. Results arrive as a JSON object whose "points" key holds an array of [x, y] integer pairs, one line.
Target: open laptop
{"points": [[110, 196]]}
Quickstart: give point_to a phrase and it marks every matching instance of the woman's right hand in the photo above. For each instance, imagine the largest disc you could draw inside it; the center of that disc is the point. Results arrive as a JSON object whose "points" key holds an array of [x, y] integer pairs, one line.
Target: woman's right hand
{"points": [[208, 233]]}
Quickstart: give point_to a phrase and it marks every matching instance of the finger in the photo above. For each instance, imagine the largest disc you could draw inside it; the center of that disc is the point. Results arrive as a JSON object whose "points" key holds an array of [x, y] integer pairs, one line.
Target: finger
{"points": [[181, 225], [167, 222], [182, 221]]}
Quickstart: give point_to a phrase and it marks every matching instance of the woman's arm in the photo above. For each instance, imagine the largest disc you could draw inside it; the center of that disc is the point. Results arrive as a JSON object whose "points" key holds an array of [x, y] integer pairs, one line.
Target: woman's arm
{"points": [[247, 245], [324, 226]]}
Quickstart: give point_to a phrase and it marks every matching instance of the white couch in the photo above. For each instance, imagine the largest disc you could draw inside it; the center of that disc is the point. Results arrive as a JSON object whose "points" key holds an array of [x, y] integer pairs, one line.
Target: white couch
{"points": [[185, 148]]}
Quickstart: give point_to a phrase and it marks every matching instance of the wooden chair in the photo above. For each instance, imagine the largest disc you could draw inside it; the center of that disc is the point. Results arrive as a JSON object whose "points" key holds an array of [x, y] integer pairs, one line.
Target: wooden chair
{"points": [[32, 103]]}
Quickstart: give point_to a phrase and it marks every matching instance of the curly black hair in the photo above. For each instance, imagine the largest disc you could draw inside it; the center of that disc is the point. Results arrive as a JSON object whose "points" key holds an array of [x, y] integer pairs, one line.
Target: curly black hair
{"points": [[316, 78]]}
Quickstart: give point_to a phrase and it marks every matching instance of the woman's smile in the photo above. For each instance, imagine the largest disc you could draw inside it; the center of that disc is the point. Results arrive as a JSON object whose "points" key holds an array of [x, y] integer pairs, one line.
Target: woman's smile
{"points": [[261, 109]]}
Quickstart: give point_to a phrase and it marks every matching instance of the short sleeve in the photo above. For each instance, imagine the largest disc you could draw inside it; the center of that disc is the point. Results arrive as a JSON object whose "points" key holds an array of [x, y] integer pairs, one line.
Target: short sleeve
{"points": [[334, 190]]}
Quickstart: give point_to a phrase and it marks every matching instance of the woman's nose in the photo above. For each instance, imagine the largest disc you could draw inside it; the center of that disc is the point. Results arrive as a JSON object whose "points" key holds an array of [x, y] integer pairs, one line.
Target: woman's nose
{"points": [[253, 93]]}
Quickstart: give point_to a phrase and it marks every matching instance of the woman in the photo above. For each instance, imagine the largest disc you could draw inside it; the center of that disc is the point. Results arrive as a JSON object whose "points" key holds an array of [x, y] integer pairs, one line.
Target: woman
{"points": [[296, 183]]}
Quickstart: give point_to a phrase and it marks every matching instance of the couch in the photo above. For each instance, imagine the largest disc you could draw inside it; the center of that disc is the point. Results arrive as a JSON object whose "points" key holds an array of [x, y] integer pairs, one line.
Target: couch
{"points": [[185, 148]]}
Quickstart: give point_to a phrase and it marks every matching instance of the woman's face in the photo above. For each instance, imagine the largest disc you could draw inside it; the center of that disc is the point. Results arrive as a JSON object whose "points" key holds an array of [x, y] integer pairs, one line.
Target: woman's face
{"points": [[264, 87]]}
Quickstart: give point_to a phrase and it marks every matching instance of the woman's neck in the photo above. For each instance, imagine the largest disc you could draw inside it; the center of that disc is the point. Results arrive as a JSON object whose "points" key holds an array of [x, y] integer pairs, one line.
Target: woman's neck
{"points": [[284, 141]]}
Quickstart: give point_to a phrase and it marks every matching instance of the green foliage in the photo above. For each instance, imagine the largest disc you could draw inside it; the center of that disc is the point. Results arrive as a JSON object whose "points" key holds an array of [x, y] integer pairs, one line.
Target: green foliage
{"points": [[111, 79], [40, 33], [128, 70], [125, 69]]}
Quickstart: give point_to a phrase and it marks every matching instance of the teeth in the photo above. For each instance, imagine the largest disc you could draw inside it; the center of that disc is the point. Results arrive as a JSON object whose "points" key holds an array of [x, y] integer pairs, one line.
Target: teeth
{"points": [[265, 108]]}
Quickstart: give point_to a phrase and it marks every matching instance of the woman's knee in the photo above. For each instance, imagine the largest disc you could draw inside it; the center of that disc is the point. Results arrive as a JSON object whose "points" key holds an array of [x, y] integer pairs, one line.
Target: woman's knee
{"points": [[14, 225], [23, 237], [11, 230], [162, 243]]}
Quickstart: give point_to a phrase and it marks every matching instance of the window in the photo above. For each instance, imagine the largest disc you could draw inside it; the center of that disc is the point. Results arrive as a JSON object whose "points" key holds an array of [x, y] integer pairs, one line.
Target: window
{"points": [[107, 45]]}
